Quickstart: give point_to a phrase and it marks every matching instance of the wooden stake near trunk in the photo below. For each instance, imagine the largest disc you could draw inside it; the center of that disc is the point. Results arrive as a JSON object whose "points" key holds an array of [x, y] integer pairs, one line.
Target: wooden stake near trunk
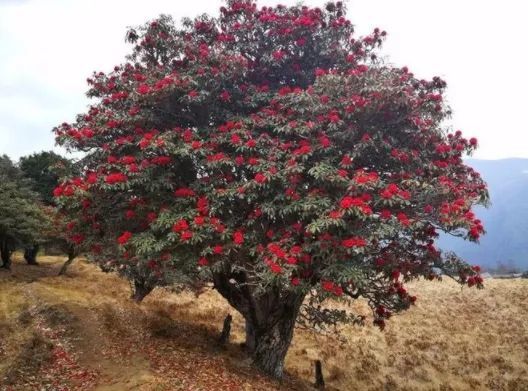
{"points": [[226, 331], [319, 380]]}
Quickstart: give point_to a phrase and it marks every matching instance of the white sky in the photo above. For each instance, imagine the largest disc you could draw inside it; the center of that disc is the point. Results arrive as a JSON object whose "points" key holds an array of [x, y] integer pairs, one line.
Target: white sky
{"points": [[49, 47]]}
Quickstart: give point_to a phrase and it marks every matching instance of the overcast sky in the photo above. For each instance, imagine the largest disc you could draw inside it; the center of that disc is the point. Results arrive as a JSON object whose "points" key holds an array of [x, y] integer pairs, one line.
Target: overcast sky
{"points": [[49, 47]]}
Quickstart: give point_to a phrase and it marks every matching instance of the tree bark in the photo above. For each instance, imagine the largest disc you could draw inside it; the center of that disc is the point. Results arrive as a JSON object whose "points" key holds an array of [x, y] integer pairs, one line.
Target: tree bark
{"points": [[71, 258], [141, 289], [5, 253], [250, 337], [273, 339], [270, 318], [30, 254]]}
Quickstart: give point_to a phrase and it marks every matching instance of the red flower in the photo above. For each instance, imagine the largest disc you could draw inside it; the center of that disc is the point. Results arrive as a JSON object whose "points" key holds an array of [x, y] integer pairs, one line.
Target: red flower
{"points": [[235, 139], [324, 141], [128, 159], [327, 286], [335, 214], [143, 89], [275, 268], [186, 235], [184, 192], [199, 220], [295, 281], [303, 150], [91, 178], [338, 291], [111, 159], [225, 96], [124, 238], [278, 55], [161, 160], [385, 214], [180, 225], [87, 132], [117, 177], [238, 237], [58, 191], [218, 249], [202, 205], [348, 202], [203, 261], [346, 160], [77, 239], [403, 219], [260, 178], [354, 242]]}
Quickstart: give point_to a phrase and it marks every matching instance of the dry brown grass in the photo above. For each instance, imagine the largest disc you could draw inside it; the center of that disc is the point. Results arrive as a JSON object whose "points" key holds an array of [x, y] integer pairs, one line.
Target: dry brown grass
{"points": [[452, 339]]}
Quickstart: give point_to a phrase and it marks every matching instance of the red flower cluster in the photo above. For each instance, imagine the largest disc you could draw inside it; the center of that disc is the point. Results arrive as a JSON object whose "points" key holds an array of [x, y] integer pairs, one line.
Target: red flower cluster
{"points": [[124, 238], [117, 177], [354, 242]]}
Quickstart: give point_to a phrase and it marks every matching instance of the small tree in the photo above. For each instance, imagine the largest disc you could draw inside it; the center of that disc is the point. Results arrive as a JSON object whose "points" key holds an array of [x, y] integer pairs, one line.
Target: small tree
{"points": [[43, 169], [271, 152], [21, 215]]}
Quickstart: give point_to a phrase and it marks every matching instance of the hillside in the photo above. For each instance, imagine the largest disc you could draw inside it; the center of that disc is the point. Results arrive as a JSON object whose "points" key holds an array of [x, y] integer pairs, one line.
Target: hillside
{"points": [[81, 332], [506, 220]]}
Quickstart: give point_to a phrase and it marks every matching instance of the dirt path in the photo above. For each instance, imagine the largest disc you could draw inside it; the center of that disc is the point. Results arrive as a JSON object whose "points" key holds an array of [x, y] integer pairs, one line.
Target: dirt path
{"points": [[88, 335]]}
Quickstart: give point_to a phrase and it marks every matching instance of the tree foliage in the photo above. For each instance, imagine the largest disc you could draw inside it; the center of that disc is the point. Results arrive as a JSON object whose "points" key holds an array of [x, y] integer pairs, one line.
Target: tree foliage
{"points": [[44, 169], [271, 152], [21, 215]]}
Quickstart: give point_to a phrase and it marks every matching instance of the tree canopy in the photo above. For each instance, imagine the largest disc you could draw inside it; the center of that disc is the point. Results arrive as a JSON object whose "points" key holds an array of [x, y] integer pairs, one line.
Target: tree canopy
{"points": [[44, 169], [21, 215], [271, 152]]}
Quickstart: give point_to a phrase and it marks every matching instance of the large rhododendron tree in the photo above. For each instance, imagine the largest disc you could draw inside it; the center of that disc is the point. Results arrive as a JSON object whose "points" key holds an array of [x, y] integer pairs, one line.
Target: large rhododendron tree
{"points": [[272, 153]]}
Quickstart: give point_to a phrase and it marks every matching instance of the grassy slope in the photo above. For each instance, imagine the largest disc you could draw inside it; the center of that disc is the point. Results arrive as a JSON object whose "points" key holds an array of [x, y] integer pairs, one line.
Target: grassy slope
{"points": [[82, 332]]}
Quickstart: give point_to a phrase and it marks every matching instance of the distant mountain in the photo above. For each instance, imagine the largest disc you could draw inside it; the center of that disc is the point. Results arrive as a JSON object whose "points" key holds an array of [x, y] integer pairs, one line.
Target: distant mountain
{"points": [[505, 221]]}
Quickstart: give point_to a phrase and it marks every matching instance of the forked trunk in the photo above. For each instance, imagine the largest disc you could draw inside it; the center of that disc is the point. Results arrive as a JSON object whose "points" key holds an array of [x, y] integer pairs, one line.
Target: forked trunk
{"points": [[141, 289]]}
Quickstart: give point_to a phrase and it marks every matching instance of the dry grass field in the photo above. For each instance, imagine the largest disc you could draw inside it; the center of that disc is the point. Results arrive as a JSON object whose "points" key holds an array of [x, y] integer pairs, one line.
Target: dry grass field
{"points": [[81, 332]]}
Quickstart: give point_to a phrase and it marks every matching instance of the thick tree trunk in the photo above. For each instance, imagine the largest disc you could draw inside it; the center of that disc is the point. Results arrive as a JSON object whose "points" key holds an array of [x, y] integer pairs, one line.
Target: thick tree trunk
{"points": [[30, 254], [5, 253], [272, 344], [71, 257], [250, 337], [272, 338], [6, 259], [141, 289], [270, 318]]}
